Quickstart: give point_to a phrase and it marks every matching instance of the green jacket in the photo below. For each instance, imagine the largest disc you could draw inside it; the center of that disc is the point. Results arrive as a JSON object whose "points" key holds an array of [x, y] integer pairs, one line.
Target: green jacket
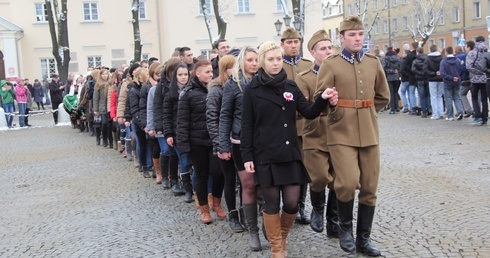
{"points": [[7, 96]]}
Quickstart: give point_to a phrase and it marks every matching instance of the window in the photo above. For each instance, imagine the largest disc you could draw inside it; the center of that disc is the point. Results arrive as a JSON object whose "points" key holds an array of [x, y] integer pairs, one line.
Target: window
{"points": [[90, 12], [456, 14], [405, 22], [431, 42], [41, 13], [375, 28], [394, 25], [94, 61], [375, 5], [442, 43], [349, 10], [279, 8], [207, 5], [404, 1], [243, 6], [385, 26], [476, 10], [142, 10], [48, 67], [441, 17], [394, 2], [385, 4]]}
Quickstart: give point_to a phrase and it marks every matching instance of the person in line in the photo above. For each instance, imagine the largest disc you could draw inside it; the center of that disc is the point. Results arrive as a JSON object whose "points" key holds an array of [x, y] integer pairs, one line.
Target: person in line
{"points": [[478, 81], [431, 67], [450, 72], [100, 109], [391, 66], [269, 142], [7, 96], [465, 84], [315, 149], [420, 71], [213, 108], [221, 47], [21, 98], [38, 94], [353, 133], [193, 138], [229, 138]]}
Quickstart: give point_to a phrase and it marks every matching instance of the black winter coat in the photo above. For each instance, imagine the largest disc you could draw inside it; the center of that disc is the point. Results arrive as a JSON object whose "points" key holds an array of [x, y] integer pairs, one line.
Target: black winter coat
{"points": [[133, 111], [431, 66], [418, 67], [191, 117], [230, 116], [404, 70], [213, 108], [55, 92], [410, 57], [269, 122], [159, 103], [391, 66], [145, 89]]}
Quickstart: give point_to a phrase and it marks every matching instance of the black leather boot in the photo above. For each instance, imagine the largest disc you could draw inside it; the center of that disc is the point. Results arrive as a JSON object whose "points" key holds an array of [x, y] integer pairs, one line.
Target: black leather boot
{"points": [[164, 160], [365, 215], [146, 172], [302, 217], [346, 237], [234, 221], [332, 215], [250, 211], [318, 204], [186, 183], [241, 215], [97, 136], [177, 188]]}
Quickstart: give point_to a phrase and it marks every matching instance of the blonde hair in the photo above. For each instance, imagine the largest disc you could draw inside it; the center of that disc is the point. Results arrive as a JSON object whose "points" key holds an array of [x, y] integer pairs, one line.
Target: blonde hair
{"points": [[264, 48], [240, 64], [225, 63], [140, 71], [99, 81]]}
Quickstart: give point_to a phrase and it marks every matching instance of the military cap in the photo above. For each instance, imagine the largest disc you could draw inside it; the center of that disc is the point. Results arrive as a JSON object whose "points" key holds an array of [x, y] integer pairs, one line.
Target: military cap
{"points": [[290, 33], [351, 23], [317, 37]]}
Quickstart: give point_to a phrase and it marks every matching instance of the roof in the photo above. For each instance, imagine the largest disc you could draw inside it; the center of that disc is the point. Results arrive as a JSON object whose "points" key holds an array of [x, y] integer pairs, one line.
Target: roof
{"points": [[9, 26]]}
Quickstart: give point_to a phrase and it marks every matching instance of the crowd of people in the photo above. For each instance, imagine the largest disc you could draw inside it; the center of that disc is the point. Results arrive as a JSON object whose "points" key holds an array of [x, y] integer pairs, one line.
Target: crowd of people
{"points": [[441, 79], [270, 123]]}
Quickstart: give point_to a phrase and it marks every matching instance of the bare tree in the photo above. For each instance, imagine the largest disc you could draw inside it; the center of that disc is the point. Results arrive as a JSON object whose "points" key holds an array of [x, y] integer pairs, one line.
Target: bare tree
{"points": [[220, 21], [361, 8], [59, 38], [426, 16], [136, 31]]}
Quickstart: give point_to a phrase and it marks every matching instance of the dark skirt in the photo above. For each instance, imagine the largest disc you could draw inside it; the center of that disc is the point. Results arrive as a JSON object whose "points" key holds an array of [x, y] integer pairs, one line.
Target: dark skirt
{"points": [[276, 174]]}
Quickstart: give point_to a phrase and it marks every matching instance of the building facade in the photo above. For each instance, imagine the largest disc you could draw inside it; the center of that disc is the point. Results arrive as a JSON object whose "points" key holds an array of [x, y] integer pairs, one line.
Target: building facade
{"points": [[101, 33]]}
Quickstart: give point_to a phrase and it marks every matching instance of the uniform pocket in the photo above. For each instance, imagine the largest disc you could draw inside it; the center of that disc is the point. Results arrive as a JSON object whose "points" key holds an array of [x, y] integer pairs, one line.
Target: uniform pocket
{"points": [[335, 115]]}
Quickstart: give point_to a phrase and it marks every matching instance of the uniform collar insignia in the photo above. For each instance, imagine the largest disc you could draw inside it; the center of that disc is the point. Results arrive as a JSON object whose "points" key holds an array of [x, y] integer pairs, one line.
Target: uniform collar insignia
{"points": [[315, 69], [351, 57], [292, 60]]}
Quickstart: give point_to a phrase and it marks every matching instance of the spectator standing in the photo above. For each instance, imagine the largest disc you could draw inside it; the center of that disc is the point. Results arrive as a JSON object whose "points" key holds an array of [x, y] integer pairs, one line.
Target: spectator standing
{"points": [[436, 86], [391, 65], [465, 84], [451, 71], [421, 76], [412, 80], [7, 98], [187, 57], [478, 81], [38, 94], [56, 92], [404, 86], [21, 97]]}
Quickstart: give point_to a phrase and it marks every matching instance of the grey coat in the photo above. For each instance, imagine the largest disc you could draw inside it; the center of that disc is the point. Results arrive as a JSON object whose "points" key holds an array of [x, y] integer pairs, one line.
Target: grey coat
{"points": [[391, 65]]}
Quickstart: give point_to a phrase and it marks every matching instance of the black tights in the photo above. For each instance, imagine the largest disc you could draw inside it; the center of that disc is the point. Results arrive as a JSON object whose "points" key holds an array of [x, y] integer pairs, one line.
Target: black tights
{"points": [[205, 164], [229, 173], [290, 198]]}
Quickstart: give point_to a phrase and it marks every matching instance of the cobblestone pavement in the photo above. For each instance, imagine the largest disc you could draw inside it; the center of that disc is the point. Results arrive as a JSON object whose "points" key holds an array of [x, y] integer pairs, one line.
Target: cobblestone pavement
{"points": [[63, 196]]}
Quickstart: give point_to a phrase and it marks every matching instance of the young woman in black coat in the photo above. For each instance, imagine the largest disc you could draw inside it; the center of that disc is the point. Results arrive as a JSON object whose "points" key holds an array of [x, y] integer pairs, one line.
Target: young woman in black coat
{"points": [[193, 137], [269, 145]]}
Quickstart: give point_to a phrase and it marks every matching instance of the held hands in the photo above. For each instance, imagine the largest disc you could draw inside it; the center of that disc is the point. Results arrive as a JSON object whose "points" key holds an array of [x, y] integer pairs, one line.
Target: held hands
{"points": [[249, 167], [332, 95], [151, 133]]}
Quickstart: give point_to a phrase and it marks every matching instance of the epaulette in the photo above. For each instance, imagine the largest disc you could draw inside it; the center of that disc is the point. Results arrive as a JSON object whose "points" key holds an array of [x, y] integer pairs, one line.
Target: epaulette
{"points": [[371, 55], [305, 72], [331, 56], [304, 59]]}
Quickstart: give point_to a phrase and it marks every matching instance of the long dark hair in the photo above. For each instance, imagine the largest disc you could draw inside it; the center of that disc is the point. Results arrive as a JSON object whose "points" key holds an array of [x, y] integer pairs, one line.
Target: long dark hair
{"points": [[174, 86]]}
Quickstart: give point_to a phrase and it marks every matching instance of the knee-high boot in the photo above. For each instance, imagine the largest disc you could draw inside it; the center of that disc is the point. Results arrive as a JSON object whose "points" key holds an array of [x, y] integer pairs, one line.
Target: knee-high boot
{"points": [[187, 184], [164, 166], [302, 217], [318, 204], [365, 215], [332, 215], [97, 135], [250, 212], [346, 237], [287, 221], [129, 150], [158, 170], [273, 227]]}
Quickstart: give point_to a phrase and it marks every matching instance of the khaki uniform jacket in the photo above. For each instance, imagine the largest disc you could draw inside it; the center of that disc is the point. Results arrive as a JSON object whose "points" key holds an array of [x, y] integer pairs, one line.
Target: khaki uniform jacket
{"points": [[292, 71], [354, 81], [314, 131], [121, 99]]}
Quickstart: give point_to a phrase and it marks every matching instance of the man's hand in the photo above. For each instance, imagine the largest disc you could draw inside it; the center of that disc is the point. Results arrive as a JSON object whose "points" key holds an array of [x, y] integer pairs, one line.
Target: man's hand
{"points": [[332, 95], [249, 167]]}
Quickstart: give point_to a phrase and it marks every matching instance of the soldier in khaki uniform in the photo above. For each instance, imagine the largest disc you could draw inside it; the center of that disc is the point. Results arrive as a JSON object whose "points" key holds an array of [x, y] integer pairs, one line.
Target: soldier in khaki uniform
{"points": [[315, 151], [352, 132], [293, 65]]}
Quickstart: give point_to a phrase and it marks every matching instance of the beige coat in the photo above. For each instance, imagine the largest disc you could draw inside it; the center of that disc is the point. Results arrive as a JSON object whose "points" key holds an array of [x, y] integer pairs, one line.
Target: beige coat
{"points": [[292, 71], [121, 101], [359, 81]]}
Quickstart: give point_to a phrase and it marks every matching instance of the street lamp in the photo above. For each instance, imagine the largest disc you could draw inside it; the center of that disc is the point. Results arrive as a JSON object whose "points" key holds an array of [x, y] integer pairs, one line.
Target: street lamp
{"points": [[297, 24], [278, 25], [287, 21]]}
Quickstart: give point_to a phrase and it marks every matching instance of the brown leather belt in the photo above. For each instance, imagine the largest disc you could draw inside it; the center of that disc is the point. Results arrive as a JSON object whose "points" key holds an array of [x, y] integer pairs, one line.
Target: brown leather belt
{"points": [[358, 103]]}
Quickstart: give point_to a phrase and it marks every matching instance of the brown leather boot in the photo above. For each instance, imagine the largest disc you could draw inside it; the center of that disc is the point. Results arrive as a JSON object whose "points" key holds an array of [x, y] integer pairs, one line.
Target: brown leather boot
{"points": [[287, 221], [218, 209], [158, 170], [210, 201], [273, 228], [205, 215]]}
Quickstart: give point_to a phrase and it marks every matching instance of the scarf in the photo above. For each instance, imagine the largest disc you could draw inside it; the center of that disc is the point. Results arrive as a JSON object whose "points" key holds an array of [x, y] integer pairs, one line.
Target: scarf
{"points": [[277, 83]]}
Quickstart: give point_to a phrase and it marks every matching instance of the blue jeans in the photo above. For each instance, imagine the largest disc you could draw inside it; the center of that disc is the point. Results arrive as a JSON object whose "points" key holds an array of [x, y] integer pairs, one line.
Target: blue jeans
{"points": [[411, 98], [46, 94], [436, 91], [451, 94], [423, 90], [22, 112], [144, 156], [184, 160], [9, 108], [403, 94], [463, 91]]}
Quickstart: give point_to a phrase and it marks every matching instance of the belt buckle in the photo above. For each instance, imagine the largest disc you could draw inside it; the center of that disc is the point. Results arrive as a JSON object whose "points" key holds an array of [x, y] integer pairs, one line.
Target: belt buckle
{"points": [[356, 105]]}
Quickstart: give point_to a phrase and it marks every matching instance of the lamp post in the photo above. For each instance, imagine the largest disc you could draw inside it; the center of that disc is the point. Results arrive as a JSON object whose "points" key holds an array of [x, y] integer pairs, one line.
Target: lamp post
{"points": [[287, 21], [278, 25]]}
